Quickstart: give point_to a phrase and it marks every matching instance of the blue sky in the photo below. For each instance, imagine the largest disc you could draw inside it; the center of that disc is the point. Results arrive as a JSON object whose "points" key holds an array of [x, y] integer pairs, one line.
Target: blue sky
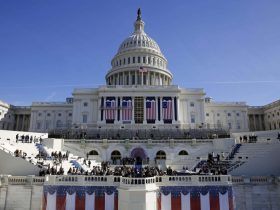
{"points": [[229, 48]]}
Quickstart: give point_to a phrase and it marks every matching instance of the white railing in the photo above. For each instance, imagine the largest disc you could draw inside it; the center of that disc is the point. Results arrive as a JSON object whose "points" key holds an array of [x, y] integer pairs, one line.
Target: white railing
{"points": [[192, 180], [138, 182], [81, 180], [195, 180], [22, 180]]}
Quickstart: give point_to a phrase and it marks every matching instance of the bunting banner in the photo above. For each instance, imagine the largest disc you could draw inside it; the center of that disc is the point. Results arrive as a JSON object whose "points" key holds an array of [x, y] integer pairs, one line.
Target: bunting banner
{"points": [[150, 108], [110, 108], [195, 198], [126, 109], [80, 198], [168, 198], [167, 108]]}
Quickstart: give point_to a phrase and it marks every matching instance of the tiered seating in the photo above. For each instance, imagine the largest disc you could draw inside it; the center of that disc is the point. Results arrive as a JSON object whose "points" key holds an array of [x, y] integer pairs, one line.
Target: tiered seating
{"points": [[31, 153], [258, 158], [155, 133]]}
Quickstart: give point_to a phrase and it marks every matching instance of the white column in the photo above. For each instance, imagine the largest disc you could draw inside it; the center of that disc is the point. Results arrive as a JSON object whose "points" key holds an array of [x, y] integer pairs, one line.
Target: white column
{"points": [[17, 123], [173, 110], [103, 105], [129, 78], [23, 121], [161, 112], [121, 110], [116, 111], [133, 122], [178, 108], [44, 123], [145, 120], [156, 98], [148, 78]]}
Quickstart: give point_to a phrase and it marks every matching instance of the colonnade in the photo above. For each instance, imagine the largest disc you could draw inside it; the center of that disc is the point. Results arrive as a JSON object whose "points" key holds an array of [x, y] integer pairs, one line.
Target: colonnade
{"points": [[138, 78], [118, 110]]}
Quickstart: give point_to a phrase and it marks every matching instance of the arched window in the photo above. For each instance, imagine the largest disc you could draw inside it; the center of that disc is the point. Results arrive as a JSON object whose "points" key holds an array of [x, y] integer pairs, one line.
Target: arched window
{"points": [[93, 152], [161, 155], [183, 152], [116, 155]]}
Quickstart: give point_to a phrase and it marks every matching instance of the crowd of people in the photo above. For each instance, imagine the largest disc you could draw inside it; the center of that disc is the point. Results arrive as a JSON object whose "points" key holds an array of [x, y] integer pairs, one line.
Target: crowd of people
{"points": [[58, 156], [214, 165], [27, 138], [20, 153]]}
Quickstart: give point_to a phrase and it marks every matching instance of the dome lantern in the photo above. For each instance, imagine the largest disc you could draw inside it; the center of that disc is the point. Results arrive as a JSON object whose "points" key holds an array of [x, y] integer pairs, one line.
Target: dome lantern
{"points": [[139, 24]]}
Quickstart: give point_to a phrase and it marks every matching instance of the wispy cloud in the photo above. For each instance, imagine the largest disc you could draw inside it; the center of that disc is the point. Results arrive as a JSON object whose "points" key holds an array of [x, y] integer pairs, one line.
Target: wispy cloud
{"points": [[239, 82], [50, 97]]}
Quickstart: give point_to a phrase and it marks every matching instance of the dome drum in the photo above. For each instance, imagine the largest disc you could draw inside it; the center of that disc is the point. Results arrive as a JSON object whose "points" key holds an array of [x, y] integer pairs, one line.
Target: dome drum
{"points": [[136, 77]]}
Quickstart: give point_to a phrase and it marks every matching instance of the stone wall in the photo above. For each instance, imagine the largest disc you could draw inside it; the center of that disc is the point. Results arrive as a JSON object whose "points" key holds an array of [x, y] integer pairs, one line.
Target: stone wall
{"points": [[257, 193]]}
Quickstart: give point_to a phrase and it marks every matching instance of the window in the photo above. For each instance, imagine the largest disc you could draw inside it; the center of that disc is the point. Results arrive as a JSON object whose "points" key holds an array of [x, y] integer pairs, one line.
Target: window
{"points": [[93, 152], [161, 155], [39, 114], [48, 125], [192, 118], [237, 114], [238, 127], [124, 61], [120, 62], [128, 60], [207, 114], [70, 114], [59, 114], [229, 125], [139, 60], [149, 60], [144, 59], [192, 104], [58, 124], [38, 125], [219, 125], [68, 123], [48, 114], [84, 118], [116, 155], [133, 60], [183, 152], [229, 114], [218, 114], [85, 104]]}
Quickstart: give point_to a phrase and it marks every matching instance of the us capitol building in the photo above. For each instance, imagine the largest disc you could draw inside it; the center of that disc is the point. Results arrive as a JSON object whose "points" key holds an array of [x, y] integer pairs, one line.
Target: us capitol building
{"points": [[138, 94]]}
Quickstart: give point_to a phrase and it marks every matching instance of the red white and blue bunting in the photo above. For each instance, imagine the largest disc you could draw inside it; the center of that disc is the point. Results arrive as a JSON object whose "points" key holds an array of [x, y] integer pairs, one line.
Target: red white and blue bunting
{"points": [[168, 198]]}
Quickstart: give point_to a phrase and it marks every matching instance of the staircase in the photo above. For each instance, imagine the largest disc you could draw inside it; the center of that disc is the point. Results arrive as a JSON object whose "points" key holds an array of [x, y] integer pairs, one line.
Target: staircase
{"points": [[258, 159]]}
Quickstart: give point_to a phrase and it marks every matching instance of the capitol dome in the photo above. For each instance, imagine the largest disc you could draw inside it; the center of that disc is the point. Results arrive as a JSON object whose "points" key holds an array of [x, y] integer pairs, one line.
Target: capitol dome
{"points": [[139, 60]]}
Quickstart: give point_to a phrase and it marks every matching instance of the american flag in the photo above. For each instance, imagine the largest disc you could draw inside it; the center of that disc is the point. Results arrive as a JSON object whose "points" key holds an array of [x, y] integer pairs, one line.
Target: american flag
{"points": [[150, 108], [126, 109], [142, 69], [167, 108], [110, 109]]}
